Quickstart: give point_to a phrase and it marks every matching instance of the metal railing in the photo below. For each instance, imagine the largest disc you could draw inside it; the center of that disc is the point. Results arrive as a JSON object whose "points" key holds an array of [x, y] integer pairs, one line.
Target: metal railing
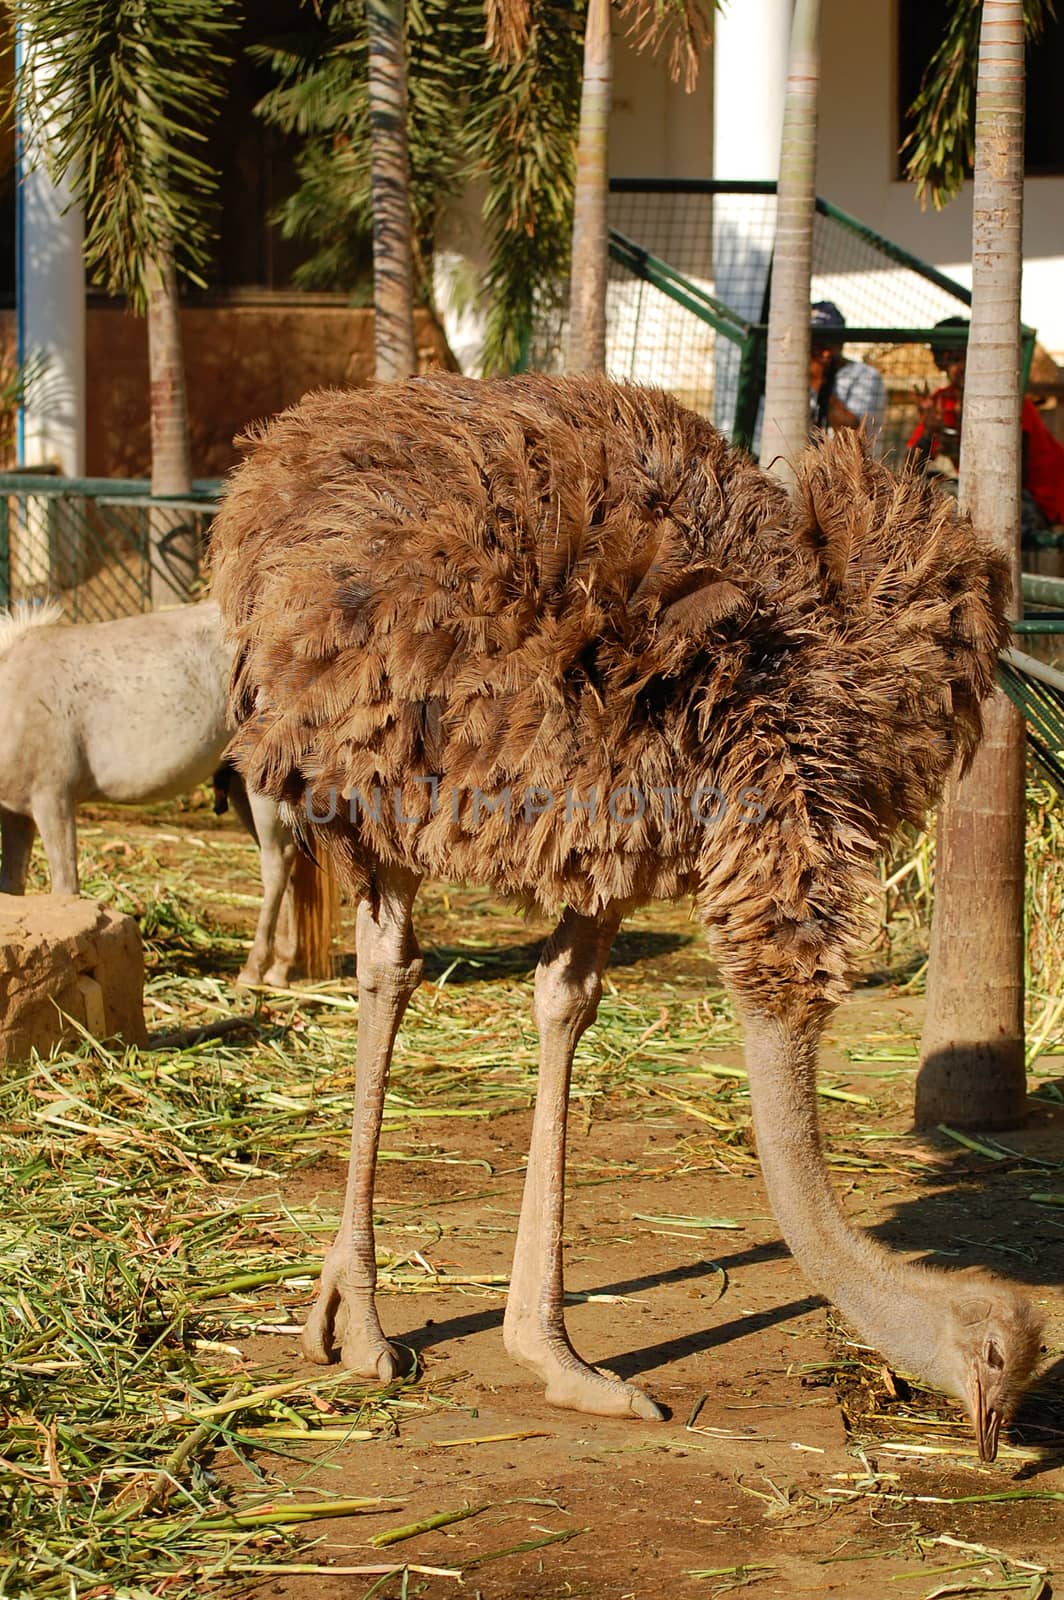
{"points": [[103, 546]]}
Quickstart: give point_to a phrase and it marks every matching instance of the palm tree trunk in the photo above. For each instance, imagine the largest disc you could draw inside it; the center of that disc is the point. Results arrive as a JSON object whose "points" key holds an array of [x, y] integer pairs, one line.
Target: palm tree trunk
{"points": [[393, 272], [972, 1070], [785, 427], [173, 543], [587, 293]]}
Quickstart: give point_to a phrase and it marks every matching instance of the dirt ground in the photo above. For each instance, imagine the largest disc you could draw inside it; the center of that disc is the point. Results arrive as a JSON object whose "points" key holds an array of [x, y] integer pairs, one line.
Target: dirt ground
{"points": [[719, 1321], [790, 1463]]}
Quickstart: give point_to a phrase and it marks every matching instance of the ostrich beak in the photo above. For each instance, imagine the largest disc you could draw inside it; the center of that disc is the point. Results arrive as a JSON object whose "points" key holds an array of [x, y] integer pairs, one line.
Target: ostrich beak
{"points": [[986, 1421]]}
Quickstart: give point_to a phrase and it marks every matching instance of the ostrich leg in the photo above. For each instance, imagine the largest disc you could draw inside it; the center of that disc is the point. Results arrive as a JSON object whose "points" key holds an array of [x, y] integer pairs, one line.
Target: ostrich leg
{"points": [[389, 970], [567, 992]]}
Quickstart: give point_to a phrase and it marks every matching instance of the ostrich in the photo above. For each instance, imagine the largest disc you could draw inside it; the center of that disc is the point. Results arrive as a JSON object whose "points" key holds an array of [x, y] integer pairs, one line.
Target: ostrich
{"points": [[556, 636]]}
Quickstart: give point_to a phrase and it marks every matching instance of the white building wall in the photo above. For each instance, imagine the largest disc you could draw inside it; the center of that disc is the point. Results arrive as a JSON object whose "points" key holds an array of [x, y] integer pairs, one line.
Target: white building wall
{"points": [[657, 130], [857, 165]]}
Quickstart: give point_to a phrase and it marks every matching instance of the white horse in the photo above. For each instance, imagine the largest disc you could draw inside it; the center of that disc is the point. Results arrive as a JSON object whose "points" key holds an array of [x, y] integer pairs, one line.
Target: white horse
{"points": [[133, 711]]}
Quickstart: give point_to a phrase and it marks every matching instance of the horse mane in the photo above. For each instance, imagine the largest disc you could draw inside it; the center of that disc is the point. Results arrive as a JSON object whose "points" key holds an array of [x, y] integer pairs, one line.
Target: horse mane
{"points": [[24, 615]]}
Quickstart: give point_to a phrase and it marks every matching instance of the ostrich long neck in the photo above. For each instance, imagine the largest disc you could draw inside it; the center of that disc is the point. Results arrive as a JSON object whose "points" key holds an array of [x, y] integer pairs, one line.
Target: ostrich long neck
{"points": [[895, 1306]]}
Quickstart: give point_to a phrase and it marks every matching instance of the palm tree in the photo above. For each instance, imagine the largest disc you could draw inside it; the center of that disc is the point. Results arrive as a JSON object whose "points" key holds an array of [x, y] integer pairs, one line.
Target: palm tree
{"points": [[972, 1069], [940, 147], [785, 427], [494, 96], [133, 86], [393, 270], [684, 25], [174, 557], [941, 144], [500, 109], [590, 248]]}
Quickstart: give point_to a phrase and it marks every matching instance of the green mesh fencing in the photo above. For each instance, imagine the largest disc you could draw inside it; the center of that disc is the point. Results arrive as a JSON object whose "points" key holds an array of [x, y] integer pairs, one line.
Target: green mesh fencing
{"points": [[1031, 673], [688, 291], [103, 547]]}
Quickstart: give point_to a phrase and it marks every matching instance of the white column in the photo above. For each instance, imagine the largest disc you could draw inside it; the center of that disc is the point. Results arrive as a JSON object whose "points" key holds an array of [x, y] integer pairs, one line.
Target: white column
{"points": [[51, 305], [750, 43], [46, 551]]}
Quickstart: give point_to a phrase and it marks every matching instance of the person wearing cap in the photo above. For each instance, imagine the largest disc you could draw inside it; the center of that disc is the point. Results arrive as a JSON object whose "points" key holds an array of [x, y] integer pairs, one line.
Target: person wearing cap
{"points": [[938, 433], [842, 393]]}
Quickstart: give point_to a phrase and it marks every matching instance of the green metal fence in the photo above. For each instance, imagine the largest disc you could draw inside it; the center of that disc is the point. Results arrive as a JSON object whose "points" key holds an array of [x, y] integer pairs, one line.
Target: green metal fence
{"points": [[102, 546], [688, 293], [1031, 673]]}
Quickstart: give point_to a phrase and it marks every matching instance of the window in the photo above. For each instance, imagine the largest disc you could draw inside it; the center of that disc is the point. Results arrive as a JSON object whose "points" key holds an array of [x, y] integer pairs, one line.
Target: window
{"points": [[921, 26], [255, 163]]}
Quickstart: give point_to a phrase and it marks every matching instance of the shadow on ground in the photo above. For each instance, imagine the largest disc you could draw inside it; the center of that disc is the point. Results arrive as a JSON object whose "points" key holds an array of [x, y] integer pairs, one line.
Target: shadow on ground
{"points": [[979, 1213], [637, 1363], [466, 963]]}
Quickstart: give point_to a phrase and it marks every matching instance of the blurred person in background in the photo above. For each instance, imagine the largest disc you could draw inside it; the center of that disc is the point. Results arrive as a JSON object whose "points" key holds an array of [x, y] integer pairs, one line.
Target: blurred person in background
{"points": [[937, 438], [842, 393]]}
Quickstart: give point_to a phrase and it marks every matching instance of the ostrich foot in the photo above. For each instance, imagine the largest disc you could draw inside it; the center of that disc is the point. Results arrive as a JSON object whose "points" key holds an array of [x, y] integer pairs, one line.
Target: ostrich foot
{"points": [[571, 1383], [251, 973], [343, 1325]]}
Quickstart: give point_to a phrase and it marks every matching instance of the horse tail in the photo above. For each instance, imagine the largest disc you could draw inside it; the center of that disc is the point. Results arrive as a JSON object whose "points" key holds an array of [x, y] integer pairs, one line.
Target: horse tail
{"points": [[316, 900], [24, 615]]}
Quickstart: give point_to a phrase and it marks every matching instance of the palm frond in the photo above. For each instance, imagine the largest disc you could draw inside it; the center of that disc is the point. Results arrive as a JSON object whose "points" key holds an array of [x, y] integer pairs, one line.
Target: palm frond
{"points": [[508, 22], [321, 93], [684, 27], [521, 137], [941, 144], [494, 98], [122, 94]]}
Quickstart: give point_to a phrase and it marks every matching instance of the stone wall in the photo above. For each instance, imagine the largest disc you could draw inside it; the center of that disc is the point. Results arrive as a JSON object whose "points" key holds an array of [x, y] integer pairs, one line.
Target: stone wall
{"points": [[67, 964], [244, 360]]}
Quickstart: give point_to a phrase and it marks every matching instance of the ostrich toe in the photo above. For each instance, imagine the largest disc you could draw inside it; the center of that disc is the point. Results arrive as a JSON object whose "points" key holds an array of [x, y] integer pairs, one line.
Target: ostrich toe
{"points": [[342, 1325]]}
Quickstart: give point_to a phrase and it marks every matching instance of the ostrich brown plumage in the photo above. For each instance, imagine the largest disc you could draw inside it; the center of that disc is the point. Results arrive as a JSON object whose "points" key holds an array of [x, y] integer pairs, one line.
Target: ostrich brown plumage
{"points": [[556, 636]]}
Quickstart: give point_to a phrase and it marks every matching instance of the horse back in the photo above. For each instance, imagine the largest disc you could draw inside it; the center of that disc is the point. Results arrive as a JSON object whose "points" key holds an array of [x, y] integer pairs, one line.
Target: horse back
{"points": [[128, 711]]}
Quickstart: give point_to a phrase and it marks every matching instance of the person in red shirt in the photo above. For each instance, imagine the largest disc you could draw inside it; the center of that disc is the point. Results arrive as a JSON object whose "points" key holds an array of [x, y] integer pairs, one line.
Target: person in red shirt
{"points": [[938, 433], [1043, 464]]}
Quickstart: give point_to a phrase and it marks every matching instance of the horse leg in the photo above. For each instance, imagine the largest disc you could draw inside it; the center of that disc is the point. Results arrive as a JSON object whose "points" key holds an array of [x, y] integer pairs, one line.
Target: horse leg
{"points": [[16, 846], [567, 991], [285, 963], [344, 1315], [277, 852], [53, 813]]}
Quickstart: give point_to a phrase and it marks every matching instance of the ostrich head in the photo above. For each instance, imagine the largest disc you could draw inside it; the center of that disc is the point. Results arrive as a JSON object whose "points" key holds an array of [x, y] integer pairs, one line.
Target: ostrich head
{"points": [[990, 1346]]}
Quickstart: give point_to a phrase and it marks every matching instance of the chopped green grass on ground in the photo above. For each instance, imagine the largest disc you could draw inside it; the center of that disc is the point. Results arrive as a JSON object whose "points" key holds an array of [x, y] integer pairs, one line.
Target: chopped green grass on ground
{"points": [[117, 1307], [142, 1452]]}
